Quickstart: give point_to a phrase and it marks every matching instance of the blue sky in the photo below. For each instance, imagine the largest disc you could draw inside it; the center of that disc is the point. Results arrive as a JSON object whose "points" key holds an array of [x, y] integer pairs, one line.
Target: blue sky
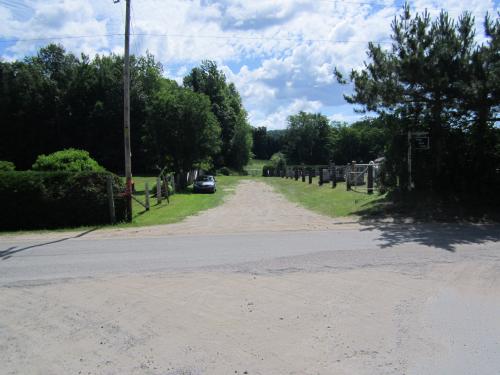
{"points": [[279, 53]]}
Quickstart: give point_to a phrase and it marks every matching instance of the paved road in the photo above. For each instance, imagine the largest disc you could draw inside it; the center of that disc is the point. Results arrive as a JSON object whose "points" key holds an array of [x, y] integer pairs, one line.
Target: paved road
{"points": [[25, 261], [382, 299]]}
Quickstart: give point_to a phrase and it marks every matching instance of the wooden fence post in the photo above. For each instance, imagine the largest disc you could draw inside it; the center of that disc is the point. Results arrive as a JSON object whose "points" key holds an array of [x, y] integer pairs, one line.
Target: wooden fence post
{"points": [[165, 182], [349, 169], [303, 174], [146, 195], [320, 182], [158, 190], [111, 200], [370, 179], [310, 175]]}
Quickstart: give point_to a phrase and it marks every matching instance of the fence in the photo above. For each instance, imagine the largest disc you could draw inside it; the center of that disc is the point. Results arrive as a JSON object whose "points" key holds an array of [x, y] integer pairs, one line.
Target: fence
{"points": [[358, 177]]}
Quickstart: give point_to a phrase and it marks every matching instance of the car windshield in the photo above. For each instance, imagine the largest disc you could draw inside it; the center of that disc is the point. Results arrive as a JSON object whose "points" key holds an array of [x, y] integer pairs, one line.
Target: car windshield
{"points": [[205, 178]]}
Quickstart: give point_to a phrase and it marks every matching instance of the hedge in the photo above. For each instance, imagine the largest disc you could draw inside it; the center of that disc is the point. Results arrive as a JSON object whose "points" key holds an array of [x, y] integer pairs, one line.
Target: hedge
{"points": [[40, 200]]}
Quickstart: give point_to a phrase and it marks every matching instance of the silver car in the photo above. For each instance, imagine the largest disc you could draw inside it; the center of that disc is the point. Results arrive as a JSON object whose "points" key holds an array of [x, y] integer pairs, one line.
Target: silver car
{"points": [[204, 184]]}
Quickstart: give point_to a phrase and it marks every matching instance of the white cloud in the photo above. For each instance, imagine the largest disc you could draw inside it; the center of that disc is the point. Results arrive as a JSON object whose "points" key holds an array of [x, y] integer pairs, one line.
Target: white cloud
{"points": [[277, 52]]}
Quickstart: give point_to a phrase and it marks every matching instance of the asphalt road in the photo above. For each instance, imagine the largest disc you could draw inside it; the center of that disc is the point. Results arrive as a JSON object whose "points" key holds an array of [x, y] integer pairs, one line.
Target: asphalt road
{"points": [[416, 244]]}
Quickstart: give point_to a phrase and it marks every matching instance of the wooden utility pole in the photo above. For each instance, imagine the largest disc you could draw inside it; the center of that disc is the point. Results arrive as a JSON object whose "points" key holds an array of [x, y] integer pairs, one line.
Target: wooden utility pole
{"points": [[126, 111]]}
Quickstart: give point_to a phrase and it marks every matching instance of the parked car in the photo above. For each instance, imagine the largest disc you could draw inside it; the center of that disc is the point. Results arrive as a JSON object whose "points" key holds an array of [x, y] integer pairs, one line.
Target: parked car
{"points": [[204, 184]]}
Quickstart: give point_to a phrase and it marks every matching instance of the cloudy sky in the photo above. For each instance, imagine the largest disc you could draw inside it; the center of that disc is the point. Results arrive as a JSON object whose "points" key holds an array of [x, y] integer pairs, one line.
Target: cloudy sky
{"points": [[279, 53]]}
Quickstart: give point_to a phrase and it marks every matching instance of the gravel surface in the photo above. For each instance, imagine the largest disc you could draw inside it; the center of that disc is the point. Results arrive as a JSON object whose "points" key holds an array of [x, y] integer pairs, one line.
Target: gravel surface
{"points": [[256, 286]]}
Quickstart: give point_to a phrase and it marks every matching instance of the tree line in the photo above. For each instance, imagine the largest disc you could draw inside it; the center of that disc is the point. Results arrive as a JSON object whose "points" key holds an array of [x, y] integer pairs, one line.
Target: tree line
{"points": [[56, 100], [312, 139], [436, 80]]}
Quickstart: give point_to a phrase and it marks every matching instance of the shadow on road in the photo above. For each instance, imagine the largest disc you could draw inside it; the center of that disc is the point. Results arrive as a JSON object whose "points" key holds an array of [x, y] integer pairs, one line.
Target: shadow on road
{"points": [[444, 236], [7, 253]]}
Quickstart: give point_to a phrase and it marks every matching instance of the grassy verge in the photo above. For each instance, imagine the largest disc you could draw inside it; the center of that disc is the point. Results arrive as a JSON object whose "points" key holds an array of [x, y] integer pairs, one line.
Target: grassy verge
{"points": [[254, 167], [325, 200], [182, 204]]}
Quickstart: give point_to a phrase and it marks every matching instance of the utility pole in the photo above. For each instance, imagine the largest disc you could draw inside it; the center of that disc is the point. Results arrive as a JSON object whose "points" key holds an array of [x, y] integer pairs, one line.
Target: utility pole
{"points": [[126, 111]]}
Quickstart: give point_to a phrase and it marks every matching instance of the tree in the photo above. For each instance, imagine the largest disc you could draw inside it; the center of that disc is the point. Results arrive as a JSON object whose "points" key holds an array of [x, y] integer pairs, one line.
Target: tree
{"points": [[180, 129], [436, 79], [307, 138], [226, 105], [362, 141], [260, 143], [55, 100]]}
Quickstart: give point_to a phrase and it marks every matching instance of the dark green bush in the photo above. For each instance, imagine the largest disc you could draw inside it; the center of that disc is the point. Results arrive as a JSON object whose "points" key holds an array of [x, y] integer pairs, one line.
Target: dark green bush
{"points": [[70, 160], [268, 168], [6, 166], [225, 171], [38, 200]]}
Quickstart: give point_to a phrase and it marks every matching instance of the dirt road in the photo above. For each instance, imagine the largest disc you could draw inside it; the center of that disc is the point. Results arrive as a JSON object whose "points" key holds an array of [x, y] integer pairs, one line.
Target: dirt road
{"points": [[385, 300], [253, 207]]}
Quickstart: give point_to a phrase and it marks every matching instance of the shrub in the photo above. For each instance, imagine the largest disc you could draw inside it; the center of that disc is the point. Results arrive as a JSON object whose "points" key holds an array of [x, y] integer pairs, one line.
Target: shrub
{"points": [[6, 166], [70, 160], [268, 168], [225, 171], [278, 160], [38, 200]]}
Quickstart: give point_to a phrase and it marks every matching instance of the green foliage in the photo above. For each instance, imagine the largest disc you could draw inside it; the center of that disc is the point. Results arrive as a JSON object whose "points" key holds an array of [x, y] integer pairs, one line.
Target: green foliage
{"points": [[236, 133], [266, 143], [362, 141], [437, 79], [180, 129], [307, 138], [225, 171], [7, 166], [278, 160], [70, 160], [269, 170], [39, 200], [56, 100]]}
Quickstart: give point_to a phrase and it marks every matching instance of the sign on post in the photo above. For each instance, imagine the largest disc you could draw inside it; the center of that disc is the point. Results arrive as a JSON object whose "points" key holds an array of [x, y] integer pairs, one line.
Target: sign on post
{"points": [[421, 140]]}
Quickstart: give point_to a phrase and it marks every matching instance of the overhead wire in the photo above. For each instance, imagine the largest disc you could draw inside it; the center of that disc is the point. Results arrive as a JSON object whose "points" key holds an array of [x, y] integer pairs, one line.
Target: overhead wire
{"points": [[138, 41]]}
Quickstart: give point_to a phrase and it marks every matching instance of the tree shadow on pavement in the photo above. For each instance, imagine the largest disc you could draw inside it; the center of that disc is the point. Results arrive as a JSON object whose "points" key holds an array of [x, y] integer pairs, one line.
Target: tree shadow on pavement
{"points": [[444, 236], [7, 253]]}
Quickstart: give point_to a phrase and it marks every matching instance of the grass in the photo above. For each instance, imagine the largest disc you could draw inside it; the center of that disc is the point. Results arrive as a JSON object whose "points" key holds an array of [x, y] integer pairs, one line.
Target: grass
{"points": [[254, 167], [325, 200], [182, 204]]}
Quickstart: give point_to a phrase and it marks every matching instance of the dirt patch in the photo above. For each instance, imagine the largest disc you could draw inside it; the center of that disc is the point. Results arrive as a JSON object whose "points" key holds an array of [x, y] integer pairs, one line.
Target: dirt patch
{"points": [[366, 321], [254, 207]]}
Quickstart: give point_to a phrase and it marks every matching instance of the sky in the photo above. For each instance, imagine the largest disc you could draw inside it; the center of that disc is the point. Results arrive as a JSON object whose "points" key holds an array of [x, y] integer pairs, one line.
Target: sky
{"points": [[280, 54]]}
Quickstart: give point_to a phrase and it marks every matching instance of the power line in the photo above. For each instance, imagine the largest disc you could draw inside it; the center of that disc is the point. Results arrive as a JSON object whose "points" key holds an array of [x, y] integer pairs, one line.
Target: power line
{"points": [[189, 36]]}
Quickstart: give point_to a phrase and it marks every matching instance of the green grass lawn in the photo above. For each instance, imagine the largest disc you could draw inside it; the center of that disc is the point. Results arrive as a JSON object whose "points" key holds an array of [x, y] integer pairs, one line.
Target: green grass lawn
{"points": [[325, 200], [181, 205]]}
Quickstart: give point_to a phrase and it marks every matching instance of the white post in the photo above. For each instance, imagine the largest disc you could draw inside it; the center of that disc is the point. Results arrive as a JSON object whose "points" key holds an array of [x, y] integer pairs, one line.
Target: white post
{"points": [[410, 182]]}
